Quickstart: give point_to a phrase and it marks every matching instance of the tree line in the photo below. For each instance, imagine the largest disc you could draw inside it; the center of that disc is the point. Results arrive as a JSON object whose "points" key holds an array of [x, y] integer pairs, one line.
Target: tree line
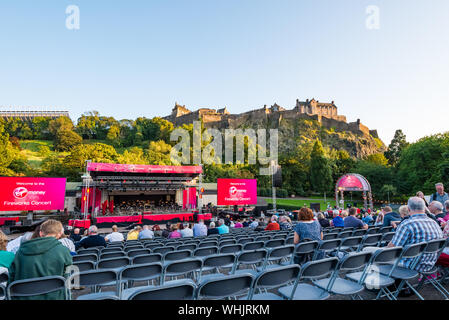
{"points": [[311, 169]]}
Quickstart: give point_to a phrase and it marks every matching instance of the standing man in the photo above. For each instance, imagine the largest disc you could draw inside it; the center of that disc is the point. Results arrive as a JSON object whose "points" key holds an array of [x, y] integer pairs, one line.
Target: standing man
{"points": [[440, 195]]}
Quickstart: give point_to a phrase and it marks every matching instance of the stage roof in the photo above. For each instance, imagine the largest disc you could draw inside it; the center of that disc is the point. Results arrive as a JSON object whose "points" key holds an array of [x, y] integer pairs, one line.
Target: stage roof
{"points": [[141, 168]]}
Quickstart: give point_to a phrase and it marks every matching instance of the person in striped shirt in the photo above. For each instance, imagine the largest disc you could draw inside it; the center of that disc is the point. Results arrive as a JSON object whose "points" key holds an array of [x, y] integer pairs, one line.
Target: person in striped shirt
{"points": [[418, 228]]}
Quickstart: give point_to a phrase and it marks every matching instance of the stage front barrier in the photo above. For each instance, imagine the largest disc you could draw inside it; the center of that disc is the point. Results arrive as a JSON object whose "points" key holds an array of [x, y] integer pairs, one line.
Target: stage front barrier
{"points": [[4, 219]]}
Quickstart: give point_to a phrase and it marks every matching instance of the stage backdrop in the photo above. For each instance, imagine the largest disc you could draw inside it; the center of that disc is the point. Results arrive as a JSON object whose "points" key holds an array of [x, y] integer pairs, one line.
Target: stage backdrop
{"points": [[23, 194], [236, 192]]}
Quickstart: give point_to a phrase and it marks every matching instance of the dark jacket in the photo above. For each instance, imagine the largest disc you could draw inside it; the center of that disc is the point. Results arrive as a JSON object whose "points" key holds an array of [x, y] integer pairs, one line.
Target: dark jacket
{"points": [[40, 257], [212, 231], [91, 241]]}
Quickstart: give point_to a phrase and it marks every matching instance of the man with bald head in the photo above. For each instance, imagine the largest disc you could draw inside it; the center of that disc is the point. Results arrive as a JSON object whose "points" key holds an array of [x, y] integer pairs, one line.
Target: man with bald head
{"points": [[418, 228]]}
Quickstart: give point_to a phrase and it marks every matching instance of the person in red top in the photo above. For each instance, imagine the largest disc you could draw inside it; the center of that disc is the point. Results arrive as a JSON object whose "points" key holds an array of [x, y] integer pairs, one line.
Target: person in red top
{"points": [[273, 225]]}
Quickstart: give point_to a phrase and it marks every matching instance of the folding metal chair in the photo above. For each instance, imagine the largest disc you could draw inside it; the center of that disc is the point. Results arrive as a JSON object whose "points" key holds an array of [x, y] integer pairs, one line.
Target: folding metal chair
{"points": [[36, 287], [141, 272], [94, 279], [183, 267], [225, 287], [173, 290]]}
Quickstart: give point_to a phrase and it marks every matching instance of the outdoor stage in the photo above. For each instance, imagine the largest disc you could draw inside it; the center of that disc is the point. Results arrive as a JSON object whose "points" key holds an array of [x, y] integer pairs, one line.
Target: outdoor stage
{"points": [[145, 219]]}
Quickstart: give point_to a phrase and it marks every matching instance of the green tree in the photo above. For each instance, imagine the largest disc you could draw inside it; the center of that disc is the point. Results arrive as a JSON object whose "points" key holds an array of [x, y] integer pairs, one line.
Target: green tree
{"points": [[66, 140], [398, 143], [158, 153], [59, 124], [320, 171], [377, 158], [7, 153], [387, 191]]}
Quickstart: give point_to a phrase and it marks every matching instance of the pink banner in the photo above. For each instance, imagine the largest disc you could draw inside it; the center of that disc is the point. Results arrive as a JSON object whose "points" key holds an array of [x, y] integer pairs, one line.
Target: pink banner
{"points": [[236, 192], [24, 194]]}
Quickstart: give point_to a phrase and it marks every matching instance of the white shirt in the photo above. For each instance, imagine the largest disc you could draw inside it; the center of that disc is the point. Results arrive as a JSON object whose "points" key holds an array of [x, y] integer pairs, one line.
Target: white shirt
{"points": [[186, 232], [66, 242], [114, 236]]}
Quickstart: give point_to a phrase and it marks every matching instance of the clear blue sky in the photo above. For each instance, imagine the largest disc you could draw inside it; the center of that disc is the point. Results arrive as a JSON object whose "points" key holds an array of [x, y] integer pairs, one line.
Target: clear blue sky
{"points": [[136, 58]]}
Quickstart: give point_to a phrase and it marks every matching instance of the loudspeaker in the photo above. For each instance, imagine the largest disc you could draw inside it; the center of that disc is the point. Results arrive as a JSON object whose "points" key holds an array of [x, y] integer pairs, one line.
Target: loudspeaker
{"points": [[277, 178]]}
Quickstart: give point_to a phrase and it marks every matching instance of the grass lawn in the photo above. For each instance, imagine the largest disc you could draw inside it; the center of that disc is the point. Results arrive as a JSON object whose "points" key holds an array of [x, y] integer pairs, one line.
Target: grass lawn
{"points": [[302, 202]]}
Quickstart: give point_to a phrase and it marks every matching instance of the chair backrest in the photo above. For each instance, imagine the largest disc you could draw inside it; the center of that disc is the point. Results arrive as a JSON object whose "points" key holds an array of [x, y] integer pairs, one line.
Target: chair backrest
{"points": [[274, 243], [373, 230], [244, 240], [331, 235], [36, 286], [177, 255], [208, 244], [386, 255], [251, 257], [85, 257], [281, 252], [371, 239], [275, 277], [93, 278], [4, 277], [183, 266], [138, 252], [190, 246], [345, 234], [88, 251], [226, 286], [205, 251], [289, 240], [2, 292], [84, 265], [318, 269], [434, 246], [351, 242], [263, 238], [331, 244], [163, 250], [231, 248], [388, 236], [219, 260], [180, 290], [141, 272], [254, 245], [354, 261], [110, 255], [152, 246], [413, 250], [113, 263], [133, 247], [226, 242], [147, 258], [385, 229], [359, 232], [306, 247], [112, 250]]}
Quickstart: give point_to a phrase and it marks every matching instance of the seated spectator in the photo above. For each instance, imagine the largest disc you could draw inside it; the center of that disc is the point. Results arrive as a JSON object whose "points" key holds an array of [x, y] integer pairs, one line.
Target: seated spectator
{"points": [[323, 221], [157, 230], [446, 207], [146, 233], [166, 231], [134, 234], [307, 227], [114, 236], [174, 232], [68, 243], [416, 229], [403, 212], [367, 217], [42, 257], [6, 257], [436, 211], [238, 224], [379, 219], [222, 227], [92, 240], [227, 220], [284, 223], [200, 229], [186, 232], [254, 224], [212, 229], [245, 223], [337, 221], [352, 222], [273, 225], [390, 215], [75, 236]]}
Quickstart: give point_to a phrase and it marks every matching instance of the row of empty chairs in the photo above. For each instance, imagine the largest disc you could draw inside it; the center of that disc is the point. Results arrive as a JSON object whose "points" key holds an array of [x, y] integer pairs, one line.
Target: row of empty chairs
{"points": [[313, 280]]}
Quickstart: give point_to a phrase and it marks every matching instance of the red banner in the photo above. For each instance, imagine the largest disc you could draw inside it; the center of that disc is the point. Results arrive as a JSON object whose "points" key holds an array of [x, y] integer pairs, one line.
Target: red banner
{"points": [[236, 192], [24, 194]]}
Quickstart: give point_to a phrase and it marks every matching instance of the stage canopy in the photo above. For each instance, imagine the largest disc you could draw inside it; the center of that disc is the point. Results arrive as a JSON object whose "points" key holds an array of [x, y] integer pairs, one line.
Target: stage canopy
{"points": [[354, 182]]}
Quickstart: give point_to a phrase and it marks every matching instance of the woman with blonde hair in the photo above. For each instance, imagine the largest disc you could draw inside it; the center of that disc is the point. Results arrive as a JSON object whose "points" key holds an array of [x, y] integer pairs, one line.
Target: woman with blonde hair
{"points": [[6, 258]]}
